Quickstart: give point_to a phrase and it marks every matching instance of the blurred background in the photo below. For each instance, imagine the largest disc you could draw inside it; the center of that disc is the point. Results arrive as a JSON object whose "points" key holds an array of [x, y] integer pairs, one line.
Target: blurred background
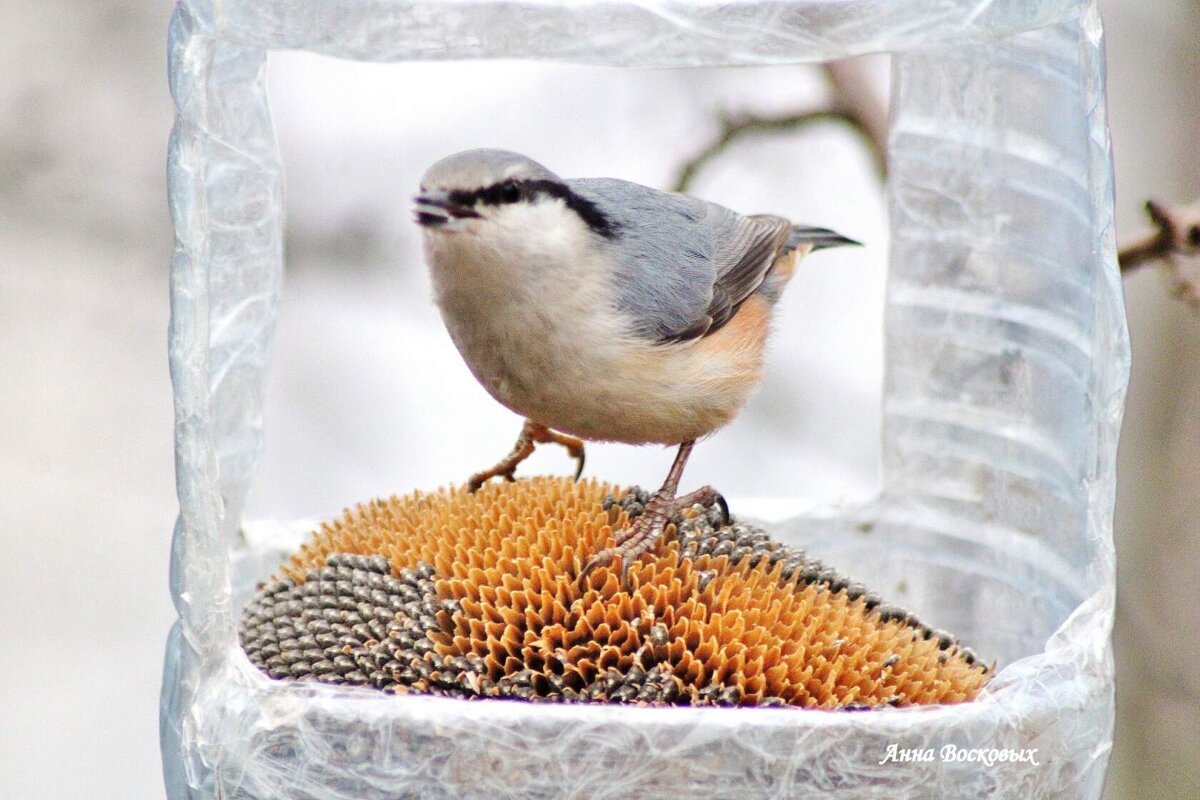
{"points": [[368, 397]]}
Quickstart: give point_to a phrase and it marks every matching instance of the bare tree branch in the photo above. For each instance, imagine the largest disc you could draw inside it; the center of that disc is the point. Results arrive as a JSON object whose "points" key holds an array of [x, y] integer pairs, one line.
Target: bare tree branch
{"points": [[735, 127], [1175, 240], [855, 104], [854, 93]]}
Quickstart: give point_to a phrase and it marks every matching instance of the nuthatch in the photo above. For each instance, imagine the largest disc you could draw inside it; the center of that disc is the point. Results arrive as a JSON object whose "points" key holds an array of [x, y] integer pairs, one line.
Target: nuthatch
{"points": [[604, 310]]}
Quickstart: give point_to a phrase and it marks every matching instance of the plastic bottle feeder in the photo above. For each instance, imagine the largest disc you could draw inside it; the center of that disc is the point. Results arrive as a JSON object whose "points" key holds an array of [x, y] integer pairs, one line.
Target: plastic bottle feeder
{"points": [[1007, 360]]}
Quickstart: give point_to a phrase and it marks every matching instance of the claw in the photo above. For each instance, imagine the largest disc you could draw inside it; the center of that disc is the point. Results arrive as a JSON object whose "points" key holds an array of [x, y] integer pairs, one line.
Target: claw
{"points": [[725, 516], [476, 481], [602, 559]]}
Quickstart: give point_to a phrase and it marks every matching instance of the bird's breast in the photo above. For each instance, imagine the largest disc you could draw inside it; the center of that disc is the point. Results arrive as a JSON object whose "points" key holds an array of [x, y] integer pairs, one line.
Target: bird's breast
{"points": [[533, 327], [545, 338]]}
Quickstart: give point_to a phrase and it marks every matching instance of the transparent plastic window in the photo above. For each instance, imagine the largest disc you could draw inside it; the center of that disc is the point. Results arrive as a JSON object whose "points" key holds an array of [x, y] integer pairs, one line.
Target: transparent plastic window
{"points": [[1007, 359]]}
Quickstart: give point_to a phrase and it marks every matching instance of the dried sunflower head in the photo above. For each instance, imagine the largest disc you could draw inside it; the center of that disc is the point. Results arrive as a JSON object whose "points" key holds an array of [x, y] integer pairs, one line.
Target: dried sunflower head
{"points": [[476, 595]]}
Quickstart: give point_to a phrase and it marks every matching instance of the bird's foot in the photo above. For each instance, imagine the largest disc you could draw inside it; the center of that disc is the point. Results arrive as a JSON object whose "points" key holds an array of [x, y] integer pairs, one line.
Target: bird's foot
{"points": [[647, 529], [705, 496], [574, 447], [531, 434], [649, 526], [638, 538]]}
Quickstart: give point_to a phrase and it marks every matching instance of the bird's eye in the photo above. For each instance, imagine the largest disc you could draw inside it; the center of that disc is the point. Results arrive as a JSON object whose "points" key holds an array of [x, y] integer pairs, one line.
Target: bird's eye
{"points": [[509, 193]]}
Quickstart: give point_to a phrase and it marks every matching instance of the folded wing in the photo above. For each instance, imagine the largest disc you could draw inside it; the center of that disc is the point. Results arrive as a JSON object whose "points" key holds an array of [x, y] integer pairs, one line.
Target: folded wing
{"points": [[684, 264]]}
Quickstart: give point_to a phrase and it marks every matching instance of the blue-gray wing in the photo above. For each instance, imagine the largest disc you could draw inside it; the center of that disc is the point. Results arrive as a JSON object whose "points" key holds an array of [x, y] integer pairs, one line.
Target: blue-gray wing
{"points": [[684, 265]]}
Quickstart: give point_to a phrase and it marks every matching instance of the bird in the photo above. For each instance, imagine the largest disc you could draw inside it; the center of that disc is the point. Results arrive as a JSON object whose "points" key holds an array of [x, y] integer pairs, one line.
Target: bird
{"points": [[603, 310]]}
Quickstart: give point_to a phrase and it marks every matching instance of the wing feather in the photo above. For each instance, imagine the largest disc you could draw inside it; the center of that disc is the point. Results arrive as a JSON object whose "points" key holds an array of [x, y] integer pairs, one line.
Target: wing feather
{"points": [[683, 265], [745, 254]]}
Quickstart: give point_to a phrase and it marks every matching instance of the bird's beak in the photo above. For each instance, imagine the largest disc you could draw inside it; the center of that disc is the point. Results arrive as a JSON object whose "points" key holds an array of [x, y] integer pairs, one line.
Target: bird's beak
{"points": [[435, 208]]}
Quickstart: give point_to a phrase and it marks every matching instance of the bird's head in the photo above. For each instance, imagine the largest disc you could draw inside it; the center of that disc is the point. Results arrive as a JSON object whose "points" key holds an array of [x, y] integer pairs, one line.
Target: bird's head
{"points": [[500, 198]]}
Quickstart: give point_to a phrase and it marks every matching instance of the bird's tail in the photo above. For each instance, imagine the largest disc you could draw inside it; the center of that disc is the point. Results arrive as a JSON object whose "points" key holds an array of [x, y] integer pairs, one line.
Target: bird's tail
{"points": [[818, 238], [800, 242]]}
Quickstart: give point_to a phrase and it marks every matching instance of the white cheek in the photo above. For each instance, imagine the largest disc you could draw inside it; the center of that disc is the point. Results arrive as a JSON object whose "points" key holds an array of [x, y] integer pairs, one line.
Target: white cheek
{"points": [[522, 250], [537, 231]]}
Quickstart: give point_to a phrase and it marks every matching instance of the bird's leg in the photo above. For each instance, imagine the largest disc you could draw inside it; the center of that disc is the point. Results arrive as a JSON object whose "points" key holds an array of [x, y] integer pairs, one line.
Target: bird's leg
{"points": [[648, 528], [531, 434]]}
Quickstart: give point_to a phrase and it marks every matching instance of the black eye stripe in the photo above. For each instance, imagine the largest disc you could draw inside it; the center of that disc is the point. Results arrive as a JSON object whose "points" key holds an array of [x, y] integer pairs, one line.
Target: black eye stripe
{"points": [[512, 191], [495, 195]]}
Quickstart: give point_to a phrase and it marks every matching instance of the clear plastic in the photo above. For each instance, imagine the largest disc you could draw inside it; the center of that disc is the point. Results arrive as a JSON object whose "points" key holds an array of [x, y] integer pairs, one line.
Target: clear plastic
{"points": [[1007, 360]]}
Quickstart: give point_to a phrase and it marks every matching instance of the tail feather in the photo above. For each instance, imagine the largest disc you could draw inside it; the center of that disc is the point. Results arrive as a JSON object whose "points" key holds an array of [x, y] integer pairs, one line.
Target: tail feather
{"points": [[817, 238], [800, 242]]}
